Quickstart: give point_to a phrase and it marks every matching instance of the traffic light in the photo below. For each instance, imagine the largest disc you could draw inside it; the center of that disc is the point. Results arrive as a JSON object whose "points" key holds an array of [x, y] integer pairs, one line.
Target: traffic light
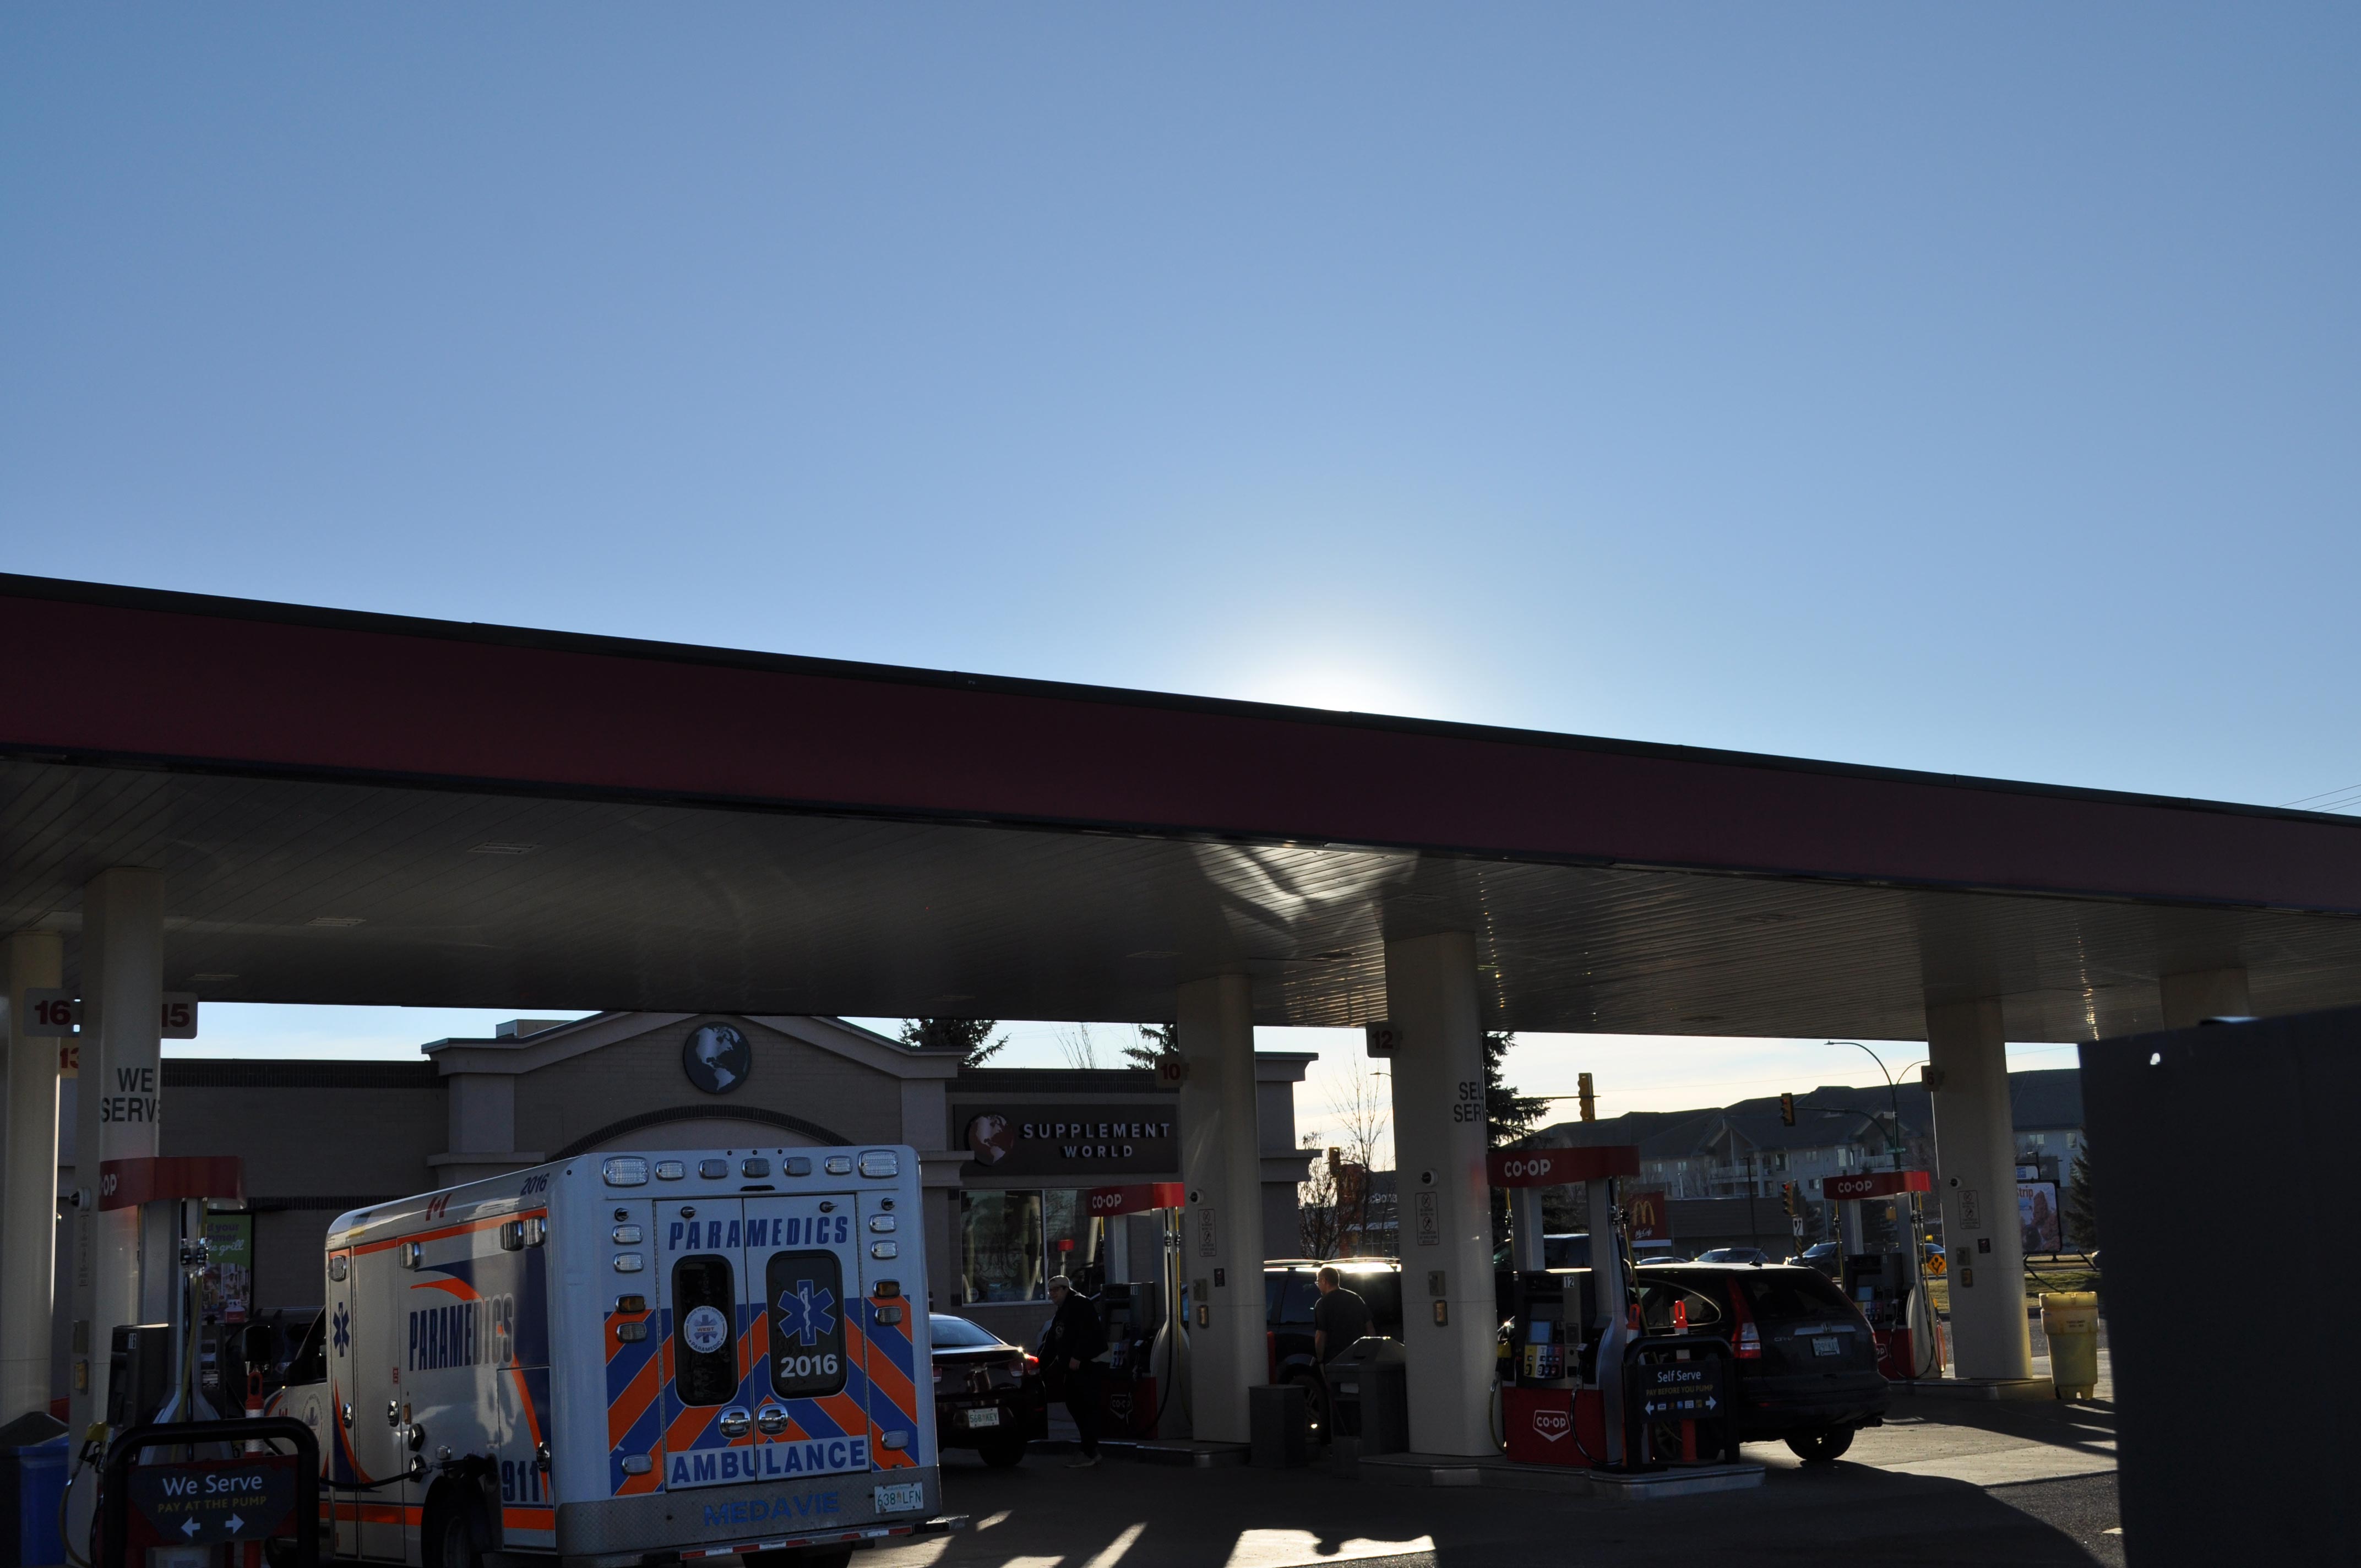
{"points": [[1787, 1196], [1787, 1110], [1590, 1101]]}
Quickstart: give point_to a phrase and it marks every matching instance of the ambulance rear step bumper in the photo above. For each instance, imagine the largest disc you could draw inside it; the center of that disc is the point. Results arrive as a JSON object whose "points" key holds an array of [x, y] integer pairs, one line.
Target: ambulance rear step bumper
{"points": [[867, 1535]]}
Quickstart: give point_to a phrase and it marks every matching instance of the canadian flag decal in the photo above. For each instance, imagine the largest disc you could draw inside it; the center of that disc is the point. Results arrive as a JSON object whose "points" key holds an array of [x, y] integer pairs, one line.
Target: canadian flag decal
{"points": [[1552, 1426]]}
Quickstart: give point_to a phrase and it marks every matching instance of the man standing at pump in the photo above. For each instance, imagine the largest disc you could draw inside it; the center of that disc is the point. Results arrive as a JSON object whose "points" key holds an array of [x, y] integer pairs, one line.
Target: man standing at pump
{"points": [[1340, 1318], [1072, 1343]]}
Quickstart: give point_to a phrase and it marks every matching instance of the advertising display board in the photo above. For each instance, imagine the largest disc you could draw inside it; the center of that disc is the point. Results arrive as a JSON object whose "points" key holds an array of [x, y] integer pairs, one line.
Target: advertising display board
{"points": [[229, 1267], [2036, 1215]]}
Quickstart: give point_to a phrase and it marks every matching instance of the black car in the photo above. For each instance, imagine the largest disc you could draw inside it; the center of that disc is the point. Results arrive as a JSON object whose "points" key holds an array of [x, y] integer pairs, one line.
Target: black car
{"points": [[1291, 1288], [988, 1393], [1806, 1360], [1826, 1256]]}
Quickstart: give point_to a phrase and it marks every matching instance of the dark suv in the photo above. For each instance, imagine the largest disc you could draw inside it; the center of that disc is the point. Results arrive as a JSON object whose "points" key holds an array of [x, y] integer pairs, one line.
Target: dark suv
{"points": [[1291, 1289], [1806, 1360]]}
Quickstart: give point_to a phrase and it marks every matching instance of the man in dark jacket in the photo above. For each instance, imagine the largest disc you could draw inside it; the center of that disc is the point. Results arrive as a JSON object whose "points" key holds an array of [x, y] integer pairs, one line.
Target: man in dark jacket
{"points": [[1340, 1318], [1072, 1344]]}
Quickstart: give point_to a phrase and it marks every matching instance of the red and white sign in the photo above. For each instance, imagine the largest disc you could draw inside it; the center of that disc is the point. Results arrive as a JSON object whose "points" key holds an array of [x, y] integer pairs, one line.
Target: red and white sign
{"points": [[1137, 1198], [1557, 1167], [126, 1183], [1552, 1426], [1875, 1184]]}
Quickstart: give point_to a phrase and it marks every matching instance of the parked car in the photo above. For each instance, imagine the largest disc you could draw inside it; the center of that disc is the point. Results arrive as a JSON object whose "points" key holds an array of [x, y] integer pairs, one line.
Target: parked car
{"points": [[1566, 1249], [1735, 1255], [1826, 1256], [1806, 1360], [1646, 1259], [988, 1393], [1291, 1289]]}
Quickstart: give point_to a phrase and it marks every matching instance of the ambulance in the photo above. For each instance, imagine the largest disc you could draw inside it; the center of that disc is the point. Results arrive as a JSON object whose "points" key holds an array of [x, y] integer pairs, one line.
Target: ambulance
{"points": [[629, 1358]]}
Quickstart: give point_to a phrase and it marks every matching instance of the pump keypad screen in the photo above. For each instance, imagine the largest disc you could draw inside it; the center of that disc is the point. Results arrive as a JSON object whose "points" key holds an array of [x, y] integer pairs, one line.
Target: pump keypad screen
{"points": [[806, 1308]]}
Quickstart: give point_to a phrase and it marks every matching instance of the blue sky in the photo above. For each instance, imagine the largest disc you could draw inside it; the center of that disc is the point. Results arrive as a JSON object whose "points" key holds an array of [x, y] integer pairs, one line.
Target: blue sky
{"points": [[1970, 390]]}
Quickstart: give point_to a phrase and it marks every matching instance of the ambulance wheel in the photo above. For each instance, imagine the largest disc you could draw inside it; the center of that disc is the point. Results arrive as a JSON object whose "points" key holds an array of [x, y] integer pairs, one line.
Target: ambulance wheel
{"points": [[454, 1544], [1003, 1455], [1819, 1443]]}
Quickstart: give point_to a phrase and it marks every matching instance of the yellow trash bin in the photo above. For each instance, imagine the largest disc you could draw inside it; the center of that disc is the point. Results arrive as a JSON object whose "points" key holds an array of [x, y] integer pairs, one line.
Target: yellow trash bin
{"points": [[2070, 1320]]}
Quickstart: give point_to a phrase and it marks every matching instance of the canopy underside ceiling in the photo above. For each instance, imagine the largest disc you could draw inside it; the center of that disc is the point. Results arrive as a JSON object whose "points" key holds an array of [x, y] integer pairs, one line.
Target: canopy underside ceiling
{"points": [[301, 890]]}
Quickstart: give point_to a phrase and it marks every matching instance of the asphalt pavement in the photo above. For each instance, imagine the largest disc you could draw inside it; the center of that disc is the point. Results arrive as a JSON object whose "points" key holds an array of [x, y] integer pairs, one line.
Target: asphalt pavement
{"points": [[1948, 1480]]}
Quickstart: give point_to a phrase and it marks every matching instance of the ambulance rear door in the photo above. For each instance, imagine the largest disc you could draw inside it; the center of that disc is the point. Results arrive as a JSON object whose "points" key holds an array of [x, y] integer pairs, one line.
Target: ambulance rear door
{"points": [[702, 1317], [809, 1384]]}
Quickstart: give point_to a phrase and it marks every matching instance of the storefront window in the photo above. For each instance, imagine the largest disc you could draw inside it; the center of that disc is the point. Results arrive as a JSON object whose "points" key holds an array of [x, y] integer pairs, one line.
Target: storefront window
{"points": [[1001, 1246], [1013, 1242], [1067, 1229]]}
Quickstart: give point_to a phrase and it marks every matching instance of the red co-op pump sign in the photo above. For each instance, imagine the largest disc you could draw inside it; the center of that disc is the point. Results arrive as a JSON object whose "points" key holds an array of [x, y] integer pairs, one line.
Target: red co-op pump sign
{"points": [[59, 1012], [1875, 1184], [1558, 1168]]}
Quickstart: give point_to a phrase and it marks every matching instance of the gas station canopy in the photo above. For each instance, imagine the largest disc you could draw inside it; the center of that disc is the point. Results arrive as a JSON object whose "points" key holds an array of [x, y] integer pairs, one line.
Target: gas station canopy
{"points": [[374, 809]]}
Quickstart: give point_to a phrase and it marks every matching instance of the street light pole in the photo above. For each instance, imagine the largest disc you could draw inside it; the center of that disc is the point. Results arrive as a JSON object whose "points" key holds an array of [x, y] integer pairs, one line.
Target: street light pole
{"points": [[1893, 1092]]}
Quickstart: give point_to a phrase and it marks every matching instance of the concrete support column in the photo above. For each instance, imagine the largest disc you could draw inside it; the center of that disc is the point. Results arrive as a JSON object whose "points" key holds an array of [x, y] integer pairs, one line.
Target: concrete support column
{"points": [[28, 1182], [116, 1101], [1975, 1157], [1444, 1198], [1221, 1165], [2195, 995]]}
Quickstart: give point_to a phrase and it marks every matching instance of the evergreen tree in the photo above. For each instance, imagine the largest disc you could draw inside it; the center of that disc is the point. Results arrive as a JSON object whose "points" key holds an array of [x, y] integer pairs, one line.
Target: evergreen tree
{"points": [[1155, 1040], [2082, 1203], [973, 1036], [1507, 1116]]}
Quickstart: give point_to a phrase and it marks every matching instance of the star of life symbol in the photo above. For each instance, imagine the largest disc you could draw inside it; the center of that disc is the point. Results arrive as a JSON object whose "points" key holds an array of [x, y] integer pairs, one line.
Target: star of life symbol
{"points": [[705, 1330], [806, 1315], [343, 1328]]}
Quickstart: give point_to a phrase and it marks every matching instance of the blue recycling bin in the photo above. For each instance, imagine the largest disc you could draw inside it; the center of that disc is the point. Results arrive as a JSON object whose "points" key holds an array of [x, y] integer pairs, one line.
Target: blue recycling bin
{"points": [[32, 1480]]}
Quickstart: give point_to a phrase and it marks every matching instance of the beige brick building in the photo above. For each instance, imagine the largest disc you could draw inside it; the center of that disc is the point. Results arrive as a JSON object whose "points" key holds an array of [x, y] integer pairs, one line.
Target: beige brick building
{"points": [[319, 1138]]}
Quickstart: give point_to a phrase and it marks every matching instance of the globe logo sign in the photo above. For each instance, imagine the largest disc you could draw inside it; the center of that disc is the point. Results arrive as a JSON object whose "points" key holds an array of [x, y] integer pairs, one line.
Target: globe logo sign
{"points": [[717, 1059]]}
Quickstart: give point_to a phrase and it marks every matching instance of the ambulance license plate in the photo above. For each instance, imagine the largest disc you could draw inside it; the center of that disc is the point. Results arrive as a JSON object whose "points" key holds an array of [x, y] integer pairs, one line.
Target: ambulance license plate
{"points": [[1829, 1346], [984, 1418], [906, 1499]]}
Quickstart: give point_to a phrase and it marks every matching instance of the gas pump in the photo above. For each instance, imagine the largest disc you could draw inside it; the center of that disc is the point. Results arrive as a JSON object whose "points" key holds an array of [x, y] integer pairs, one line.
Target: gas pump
{"points": [[1887, 1286], [153, 1369], [1562, 1381], [1146, 1353]]}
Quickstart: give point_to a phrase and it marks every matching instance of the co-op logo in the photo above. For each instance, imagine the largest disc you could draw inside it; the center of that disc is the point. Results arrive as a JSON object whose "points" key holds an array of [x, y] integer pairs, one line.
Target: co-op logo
{"points": [[1105, 1203], [1551, 1426], [1540, 1165]]}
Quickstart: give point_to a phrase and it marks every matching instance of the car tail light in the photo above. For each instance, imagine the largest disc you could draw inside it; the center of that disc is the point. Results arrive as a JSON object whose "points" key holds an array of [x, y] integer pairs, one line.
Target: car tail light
{"points": [[1032, 1362], [1016, 1366], [1749, 1342]]}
